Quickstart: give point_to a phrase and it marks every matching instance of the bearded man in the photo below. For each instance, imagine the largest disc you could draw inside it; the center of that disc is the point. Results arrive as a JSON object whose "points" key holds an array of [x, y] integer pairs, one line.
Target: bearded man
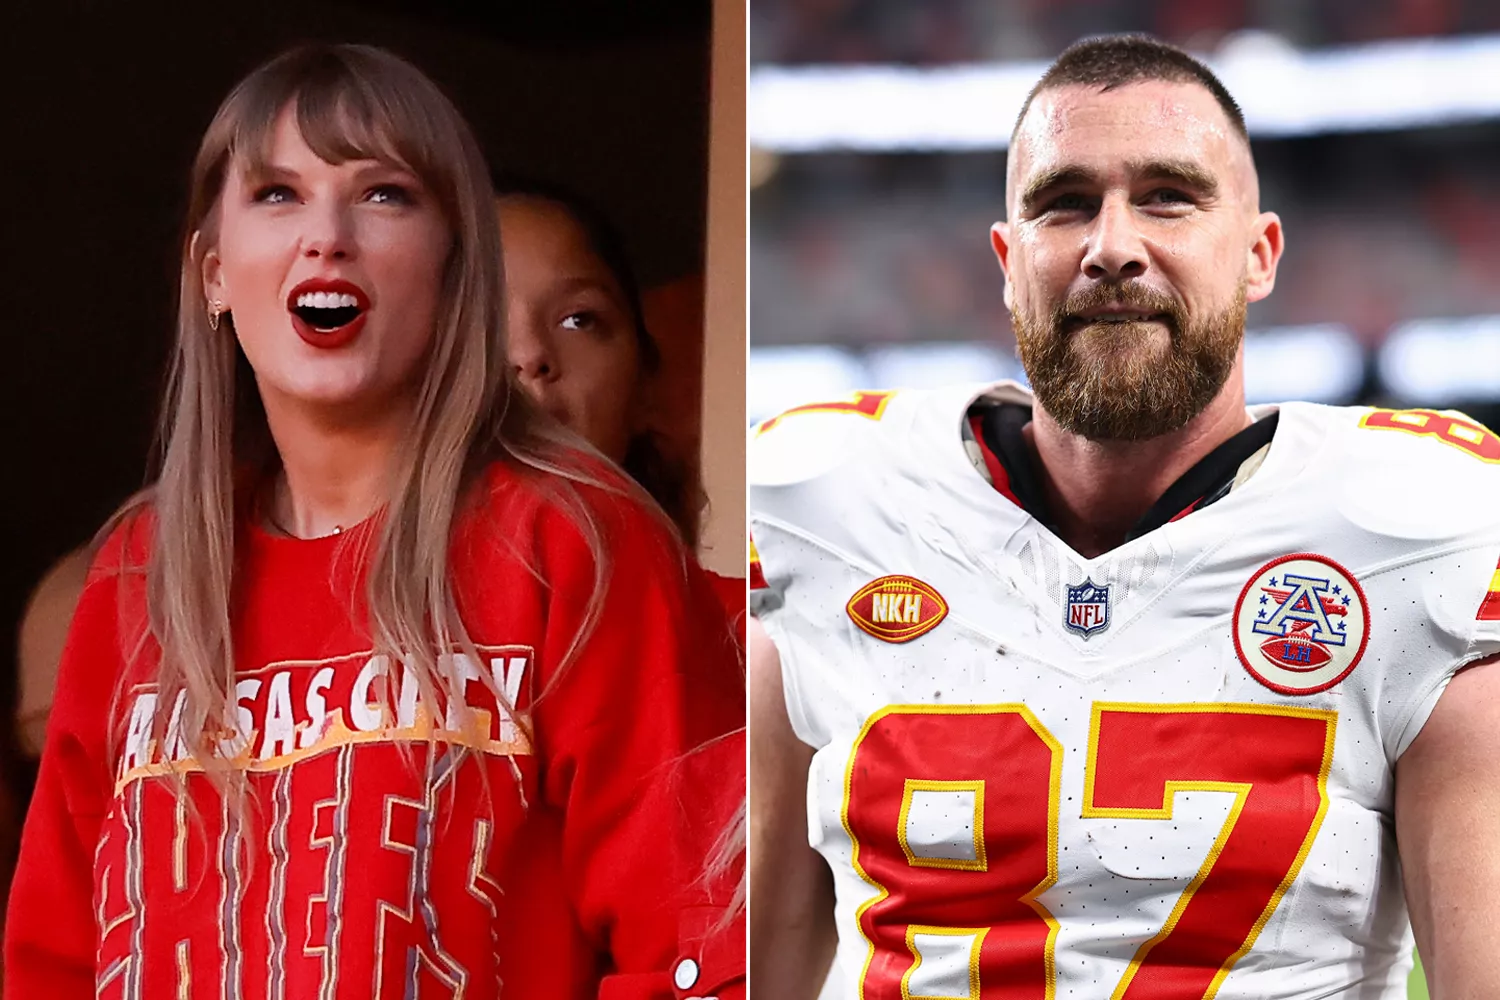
{"points": [[1117, 687]]}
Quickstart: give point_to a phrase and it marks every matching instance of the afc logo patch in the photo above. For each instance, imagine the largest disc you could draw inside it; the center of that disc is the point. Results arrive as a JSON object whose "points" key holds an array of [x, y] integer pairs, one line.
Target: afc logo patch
{"points": [[1301, 624], [1086, 610]]}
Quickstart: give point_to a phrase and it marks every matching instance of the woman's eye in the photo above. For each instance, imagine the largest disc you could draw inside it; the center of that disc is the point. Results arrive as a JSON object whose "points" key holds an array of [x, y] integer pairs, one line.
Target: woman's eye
{"points": [[274, 194], [390, 194], [578, 321]]}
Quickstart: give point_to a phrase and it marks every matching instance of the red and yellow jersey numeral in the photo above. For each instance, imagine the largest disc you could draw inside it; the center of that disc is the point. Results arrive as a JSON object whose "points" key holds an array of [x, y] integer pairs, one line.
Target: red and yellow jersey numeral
{"points": [[936, 900], [870, 405], [1274, 760], [1449, 428], [970, 899]]}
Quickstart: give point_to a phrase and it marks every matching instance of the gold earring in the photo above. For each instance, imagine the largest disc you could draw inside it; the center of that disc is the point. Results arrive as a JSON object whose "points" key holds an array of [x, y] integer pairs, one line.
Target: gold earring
{"points": [[215, 310]]}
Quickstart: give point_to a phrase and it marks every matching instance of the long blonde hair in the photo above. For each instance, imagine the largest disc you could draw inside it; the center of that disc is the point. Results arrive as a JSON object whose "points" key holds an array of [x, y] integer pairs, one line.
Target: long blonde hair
{"points": [[349, 102]]}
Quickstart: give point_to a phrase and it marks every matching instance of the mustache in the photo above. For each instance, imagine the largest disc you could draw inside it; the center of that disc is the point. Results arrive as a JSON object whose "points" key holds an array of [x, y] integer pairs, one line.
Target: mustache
{"points": [[1130, 294]]}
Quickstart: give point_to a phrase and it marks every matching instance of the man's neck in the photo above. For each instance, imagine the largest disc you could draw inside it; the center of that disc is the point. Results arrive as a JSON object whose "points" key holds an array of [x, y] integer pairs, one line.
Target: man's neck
{"points": [[1098, 490]]}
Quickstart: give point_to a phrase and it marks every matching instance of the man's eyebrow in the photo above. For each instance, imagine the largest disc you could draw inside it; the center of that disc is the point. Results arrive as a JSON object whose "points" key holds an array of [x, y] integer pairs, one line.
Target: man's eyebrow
{"points": [[1054, 178], [1183, 172]]}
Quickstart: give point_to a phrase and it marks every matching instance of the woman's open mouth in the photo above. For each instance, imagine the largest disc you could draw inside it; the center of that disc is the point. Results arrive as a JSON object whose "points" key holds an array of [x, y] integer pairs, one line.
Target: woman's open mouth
{"points": [[328, 313]]}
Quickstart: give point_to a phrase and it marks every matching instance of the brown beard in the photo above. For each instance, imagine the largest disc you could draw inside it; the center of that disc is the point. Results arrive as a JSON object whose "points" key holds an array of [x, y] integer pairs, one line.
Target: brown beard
{"points": [[1102, 382]]}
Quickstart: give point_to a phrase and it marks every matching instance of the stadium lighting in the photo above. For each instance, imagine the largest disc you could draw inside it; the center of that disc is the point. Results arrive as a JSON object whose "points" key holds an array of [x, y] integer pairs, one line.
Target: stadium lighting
{"points": [[783, 377], [1443, 362], [1284, 92], [1320, 363]]}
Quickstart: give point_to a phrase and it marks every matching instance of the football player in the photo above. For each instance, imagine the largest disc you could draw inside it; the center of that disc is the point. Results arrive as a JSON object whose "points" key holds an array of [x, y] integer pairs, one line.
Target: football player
{"points": [[1119, 688]]}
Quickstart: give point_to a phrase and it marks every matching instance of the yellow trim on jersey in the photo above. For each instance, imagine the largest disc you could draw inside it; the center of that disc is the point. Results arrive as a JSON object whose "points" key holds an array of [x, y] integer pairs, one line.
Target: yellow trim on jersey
{"points": [[981, 862], [1471, 433], [912, 930], [1053, 798], [849, 406], [1240, 790]]}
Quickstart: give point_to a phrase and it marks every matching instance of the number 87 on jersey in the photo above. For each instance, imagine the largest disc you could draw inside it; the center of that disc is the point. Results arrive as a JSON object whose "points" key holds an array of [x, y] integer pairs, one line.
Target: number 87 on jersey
{"points": [[953, 814]]}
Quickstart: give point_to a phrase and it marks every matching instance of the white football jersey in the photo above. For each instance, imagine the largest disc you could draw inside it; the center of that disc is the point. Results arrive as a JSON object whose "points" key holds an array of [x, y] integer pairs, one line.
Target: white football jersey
{"points": [[1164, 773]]}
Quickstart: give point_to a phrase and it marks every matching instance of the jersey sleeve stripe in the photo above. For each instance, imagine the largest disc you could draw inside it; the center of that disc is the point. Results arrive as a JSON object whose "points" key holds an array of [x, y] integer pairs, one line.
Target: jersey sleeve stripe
{"points": [[757, 578], [1489, 608]]}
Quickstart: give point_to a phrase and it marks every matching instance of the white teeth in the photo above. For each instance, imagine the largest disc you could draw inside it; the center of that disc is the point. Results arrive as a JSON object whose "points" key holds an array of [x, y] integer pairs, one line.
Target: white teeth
{"points": [[327, 300]]}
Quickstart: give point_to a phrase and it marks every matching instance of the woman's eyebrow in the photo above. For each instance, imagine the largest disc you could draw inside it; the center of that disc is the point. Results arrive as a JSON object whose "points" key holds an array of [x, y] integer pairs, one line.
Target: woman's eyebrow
{"points": [[581, 282], [382, 168], [262, 173]]}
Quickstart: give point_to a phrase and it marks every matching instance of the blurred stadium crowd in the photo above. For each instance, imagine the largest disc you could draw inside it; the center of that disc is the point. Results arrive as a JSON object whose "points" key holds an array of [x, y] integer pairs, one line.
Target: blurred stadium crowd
{"points": [[1389, 289], [938, 32]]}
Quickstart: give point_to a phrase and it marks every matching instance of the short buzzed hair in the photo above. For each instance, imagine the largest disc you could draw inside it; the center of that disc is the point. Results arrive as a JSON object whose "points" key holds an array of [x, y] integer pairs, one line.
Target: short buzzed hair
{"points": [[1110, 61]]}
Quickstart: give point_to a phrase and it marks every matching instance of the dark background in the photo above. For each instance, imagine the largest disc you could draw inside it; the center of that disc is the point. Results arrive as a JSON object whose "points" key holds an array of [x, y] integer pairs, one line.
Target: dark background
{"points": [[103, 106]]}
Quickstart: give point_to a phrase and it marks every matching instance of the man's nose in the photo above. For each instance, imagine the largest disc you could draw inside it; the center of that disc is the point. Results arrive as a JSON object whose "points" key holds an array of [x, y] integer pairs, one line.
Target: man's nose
{"points": [[1115, 249]]}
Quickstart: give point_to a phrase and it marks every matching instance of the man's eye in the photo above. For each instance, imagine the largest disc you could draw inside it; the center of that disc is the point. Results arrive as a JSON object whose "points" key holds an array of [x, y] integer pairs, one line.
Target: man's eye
{"points": [[578, 321], [274, 194], [1171, 196], [390, 194], [1068, 203]]}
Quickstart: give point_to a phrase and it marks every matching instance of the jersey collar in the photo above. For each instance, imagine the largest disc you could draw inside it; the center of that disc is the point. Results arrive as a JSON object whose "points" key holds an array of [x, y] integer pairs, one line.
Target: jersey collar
{"points": [[995, 429]]}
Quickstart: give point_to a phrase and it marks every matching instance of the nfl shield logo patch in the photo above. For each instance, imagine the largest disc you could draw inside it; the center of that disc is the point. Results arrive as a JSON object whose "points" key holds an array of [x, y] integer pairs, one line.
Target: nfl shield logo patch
{"points": [[1087, 608]]}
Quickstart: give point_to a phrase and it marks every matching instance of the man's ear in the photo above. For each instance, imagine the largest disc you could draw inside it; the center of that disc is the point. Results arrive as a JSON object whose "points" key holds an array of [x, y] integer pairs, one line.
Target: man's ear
{"points": [[1000, 242], [1265, 253]]}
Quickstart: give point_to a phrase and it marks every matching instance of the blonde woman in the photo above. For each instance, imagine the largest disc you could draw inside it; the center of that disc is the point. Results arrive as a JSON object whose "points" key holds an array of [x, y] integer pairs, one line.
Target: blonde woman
{"points": [[383, 688]]}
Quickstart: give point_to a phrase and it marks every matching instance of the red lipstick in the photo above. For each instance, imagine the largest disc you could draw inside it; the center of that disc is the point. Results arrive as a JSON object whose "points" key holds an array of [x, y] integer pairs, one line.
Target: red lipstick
{"points": [[307, 319]]}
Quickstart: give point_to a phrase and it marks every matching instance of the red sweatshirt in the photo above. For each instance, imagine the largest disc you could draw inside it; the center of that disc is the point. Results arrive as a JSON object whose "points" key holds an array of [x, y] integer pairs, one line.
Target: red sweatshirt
{"points": [[559, 857], [731, 592]]}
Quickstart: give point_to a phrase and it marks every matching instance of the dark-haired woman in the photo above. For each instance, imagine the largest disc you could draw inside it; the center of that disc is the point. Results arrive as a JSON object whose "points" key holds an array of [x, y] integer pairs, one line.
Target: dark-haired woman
{"points": [[581, 347]]}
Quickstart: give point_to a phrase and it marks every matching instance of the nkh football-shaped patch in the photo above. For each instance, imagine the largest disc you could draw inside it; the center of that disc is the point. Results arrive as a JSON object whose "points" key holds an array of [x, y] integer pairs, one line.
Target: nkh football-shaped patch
{"points": [[897, 608], [1301, 624]]}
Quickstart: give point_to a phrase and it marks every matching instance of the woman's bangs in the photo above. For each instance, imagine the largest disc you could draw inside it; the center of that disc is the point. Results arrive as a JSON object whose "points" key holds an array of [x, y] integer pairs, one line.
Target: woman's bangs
{"points": [[343, 117]]}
